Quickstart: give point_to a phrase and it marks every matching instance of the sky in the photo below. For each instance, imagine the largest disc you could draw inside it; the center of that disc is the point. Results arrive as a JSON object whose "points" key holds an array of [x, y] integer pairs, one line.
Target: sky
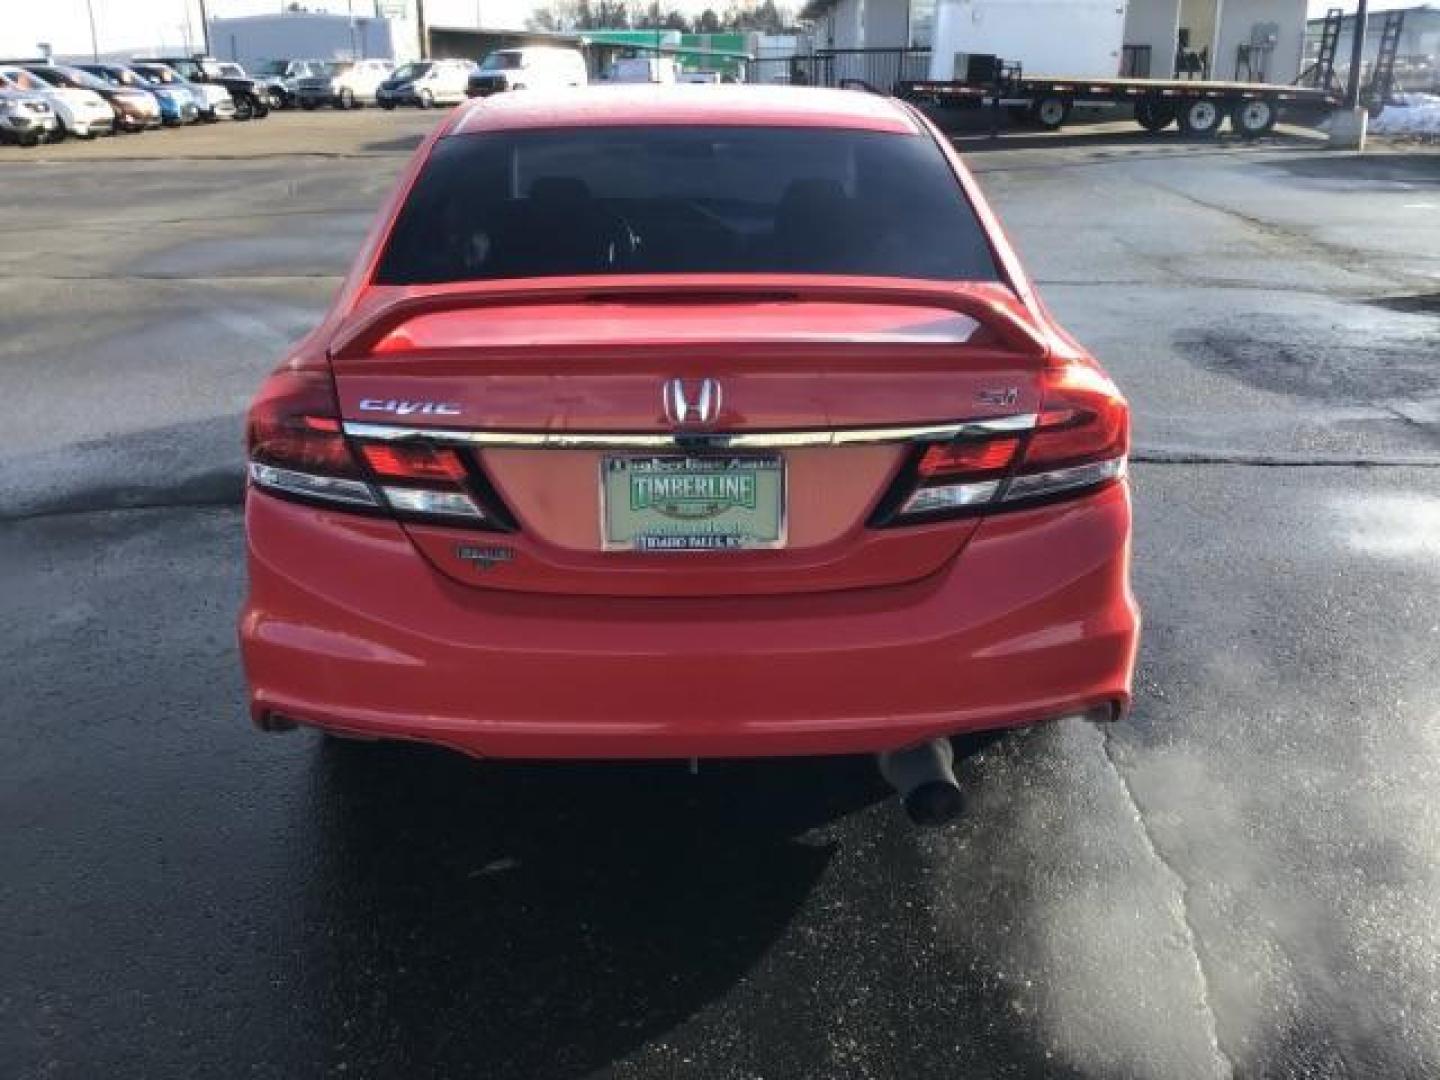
{"points": [[122, 25]]}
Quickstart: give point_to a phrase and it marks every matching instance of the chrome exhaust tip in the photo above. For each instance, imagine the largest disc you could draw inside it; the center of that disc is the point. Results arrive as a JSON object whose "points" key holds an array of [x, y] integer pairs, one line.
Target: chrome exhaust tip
{"points": [[924, 777]]}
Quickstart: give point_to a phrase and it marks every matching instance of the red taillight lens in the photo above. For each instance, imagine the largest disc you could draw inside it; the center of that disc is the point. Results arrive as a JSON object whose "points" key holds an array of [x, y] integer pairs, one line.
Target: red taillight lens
{"points": [[1083, 419], [414, 462], [959, 458], [295, 424]]}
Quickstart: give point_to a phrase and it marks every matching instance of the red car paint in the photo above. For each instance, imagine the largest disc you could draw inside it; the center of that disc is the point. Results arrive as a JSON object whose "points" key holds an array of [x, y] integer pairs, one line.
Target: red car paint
{"points": [[871, 627]]}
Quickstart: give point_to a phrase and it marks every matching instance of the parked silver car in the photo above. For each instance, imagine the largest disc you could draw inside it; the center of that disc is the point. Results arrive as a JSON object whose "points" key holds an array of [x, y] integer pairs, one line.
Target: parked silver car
{"points": [[426, 83], [26, 118], [346, 84]]}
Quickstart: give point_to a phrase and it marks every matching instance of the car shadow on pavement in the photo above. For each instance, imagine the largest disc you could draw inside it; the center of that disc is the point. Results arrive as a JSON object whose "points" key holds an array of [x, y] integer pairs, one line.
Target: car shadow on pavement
{"points": [[544, 921]]}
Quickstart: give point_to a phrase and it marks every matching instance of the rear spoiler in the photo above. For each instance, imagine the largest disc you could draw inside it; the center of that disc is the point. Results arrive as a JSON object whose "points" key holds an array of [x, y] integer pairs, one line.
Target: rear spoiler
{"points": [[986, 304]]}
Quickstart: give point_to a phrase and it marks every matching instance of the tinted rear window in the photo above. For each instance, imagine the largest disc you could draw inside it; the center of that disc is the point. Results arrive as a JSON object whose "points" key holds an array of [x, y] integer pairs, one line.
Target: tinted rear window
{"points": [[633, 200]]}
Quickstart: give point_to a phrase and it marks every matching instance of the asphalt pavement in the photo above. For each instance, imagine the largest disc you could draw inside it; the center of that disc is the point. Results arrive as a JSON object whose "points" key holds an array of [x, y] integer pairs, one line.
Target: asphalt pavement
{"points": [[1240, 879]]}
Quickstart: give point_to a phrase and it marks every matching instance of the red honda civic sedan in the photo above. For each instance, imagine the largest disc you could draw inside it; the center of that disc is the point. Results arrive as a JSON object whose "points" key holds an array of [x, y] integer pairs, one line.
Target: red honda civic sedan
{"points": [[687, 422]]}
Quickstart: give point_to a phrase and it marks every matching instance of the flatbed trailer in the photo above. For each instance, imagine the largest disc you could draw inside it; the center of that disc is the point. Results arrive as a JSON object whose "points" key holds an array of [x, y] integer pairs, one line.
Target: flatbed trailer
{"points": [[1200, 107]]}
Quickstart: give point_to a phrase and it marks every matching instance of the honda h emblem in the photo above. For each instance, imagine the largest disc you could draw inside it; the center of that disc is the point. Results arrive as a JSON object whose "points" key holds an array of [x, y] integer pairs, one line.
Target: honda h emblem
{"points": [[683, 408]]}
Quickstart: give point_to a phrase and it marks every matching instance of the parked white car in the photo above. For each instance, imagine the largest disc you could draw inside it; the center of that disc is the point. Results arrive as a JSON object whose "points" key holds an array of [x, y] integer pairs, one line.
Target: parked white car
{"points": [[26, 119], [83, 113], [426, 83], [346, 84], [534, 68]]}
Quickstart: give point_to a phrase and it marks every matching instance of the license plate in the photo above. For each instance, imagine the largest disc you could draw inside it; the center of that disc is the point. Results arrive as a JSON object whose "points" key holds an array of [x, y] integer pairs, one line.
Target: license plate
{"points": [[693, 502]]}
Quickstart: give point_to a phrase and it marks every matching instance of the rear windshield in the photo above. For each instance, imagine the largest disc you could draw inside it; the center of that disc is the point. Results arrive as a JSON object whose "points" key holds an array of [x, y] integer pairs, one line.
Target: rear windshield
{"points": [[634, 200]]}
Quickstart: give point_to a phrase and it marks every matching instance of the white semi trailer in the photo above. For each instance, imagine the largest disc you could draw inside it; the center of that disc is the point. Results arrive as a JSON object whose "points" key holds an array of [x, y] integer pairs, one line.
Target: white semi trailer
{"points": [[1074, 38]]}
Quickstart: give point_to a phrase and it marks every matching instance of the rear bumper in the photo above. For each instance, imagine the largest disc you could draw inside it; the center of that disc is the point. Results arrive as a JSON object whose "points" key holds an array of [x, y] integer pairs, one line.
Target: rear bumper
{"points": [[346, 627]]}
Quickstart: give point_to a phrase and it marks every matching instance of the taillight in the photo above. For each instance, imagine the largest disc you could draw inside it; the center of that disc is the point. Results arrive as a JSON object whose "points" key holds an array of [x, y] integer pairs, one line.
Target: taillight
{"points": [[295, 444], [298, 448], [1080, 441], [422, 480], [1081, 438]]}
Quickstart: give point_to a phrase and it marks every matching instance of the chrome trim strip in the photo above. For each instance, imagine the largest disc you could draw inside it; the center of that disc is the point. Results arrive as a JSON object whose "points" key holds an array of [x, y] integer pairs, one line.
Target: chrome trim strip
{"points": [[718, 440]]}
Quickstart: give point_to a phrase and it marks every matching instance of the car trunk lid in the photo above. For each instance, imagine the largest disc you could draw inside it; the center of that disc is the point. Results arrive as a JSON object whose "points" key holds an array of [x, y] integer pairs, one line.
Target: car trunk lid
{"points": [[563, 398]]}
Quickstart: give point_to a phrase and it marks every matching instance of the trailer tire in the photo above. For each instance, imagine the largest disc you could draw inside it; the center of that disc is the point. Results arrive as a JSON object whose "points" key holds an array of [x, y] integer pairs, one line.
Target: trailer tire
{"points": [[1154, 116], [1200, 118], [1050, 112], [1253, 118]]}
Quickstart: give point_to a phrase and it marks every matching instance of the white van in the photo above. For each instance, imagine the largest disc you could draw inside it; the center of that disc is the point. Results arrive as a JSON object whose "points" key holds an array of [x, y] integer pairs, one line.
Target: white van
{"points": [[640, 69], [530, 68]]}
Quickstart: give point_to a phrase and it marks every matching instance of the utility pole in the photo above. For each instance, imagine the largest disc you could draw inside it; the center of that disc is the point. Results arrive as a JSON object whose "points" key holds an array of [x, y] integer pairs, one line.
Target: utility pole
{"points": [[94, 40], [204, 28], [1357, 51]]}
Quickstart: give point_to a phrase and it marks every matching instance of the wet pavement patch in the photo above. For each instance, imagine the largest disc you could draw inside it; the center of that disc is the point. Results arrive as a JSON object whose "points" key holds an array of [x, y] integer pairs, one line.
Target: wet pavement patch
{"points": [[1357, 360], [1380, 172], [1422, 304]]}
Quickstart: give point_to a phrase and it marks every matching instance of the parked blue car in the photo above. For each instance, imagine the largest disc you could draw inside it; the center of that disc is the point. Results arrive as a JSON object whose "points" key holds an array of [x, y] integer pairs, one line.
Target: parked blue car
{"points": [[177, 102]]}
